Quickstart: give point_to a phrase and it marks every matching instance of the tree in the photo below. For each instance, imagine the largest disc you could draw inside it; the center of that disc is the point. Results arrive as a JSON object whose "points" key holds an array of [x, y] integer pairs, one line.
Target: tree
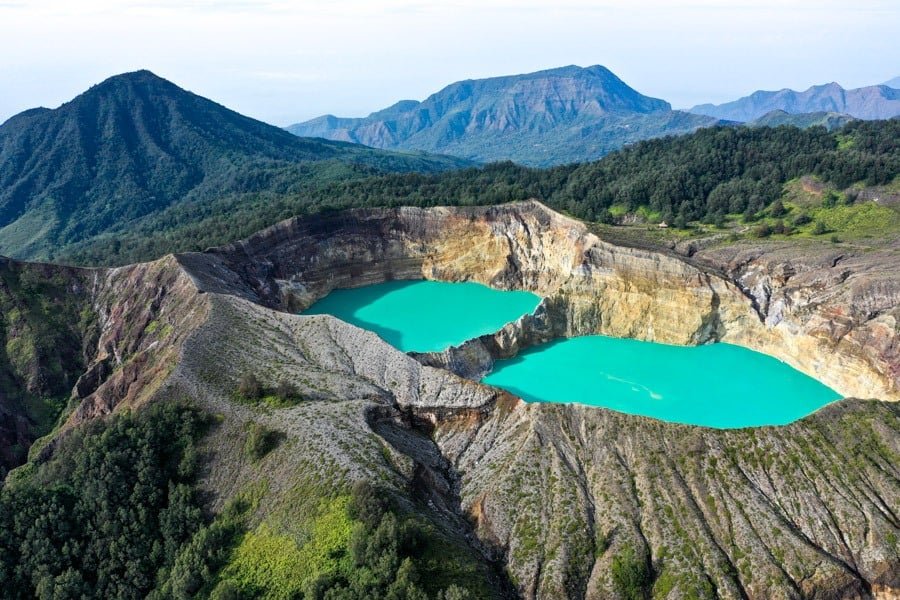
{"points": [[631, 574], [286, 391], [762, 230], [802, 219]]}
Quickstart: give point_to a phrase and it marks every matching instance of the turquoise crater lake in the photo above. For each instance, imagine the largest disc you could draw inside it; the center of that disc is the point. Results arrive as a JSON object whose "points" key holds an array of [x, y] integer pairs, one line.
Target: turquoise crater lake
{"points": [[426, 316], [716, 385]]}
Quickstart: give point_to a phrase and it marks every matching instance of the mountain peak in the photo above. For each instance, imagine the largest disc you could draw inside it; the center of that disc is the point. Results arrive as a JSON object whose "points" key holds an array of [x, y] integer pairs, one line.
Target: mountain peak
{"points": [[135, 144], [133, 79], [511, 117]]}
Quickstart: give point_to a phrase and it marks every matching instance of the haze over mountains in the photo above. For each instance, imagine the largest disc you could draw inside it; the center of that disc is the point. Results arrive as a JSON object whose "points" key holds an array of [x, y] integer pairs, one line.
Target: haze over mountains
{"points": [[871, 102], [575, 114], [135, 144], [562, 115]]}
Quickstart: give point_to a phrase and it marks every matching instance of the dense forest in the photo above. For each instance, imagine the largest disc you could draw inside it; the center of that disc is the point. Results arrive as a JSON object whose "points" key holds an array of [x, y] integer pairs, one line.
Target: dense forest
{"points": [[117, 513], [698, 177]]}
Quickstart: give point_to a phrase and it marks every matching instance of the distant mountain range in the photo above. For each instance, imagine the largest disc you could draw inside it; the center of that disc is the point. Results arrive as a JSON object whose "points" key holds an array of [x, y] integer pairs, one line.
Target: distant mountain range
{"points": [[575, 114], [137, 153], [894, 83], [569, 114], [872, 102], [137, 144]]}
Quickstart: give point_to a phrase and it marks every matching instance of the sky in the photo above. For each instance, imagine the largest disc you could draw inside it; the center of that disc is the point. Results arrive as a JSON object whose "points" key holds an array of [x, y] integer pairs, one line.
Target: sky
{"points": [[288, 61]]}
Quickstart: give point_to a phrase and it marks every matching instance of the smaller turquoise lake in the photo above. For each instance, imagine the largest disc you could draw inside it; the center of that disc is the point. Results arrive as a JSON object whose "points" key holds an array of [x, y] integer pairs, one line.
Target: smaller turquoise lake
{"points": [[717, 385], [426, 316]]}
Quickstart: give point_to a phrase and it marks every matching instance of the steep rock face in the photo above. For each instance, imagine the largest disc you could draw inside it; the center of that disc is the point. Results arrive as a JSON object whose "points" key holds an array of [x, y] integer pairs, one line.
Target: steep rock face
{"points": [[773, 512], [588, 286], [145, 311], [561, 493]]}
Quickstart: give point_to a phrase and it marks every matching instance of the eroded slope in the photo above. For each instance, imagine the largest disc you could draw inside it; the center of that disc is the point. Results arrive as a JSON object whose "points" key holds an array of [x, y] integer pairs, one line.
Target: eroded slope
{"points": [[551, 500]]}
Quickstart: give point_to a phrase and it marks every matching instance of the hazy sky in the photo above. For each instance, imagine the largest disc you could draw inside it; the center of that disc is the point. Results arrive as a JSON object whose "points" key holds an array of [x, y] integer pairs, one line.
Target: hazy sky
{"points": [[284, 62]]}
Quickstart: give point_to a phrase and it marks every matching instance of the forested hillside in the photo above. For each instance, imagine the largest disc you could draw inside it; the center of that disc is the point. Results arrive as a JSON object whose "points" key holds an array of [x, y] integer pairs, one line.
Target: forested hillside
{"points": [[117, 513], [699, 177], [137, 144]]}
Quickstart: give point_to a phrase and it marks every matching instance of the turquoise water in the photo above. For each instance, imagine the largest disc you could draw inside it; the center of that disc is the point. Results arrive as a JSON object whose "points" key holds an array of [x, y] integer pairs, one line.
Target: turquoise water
{"points": [[426, 316], [718, 385]]}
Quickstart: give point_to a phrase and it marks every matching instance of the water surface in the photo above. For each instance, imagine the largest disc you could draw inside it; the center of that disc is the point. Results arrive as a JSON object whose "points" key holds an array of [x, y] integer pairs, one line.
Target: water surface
{"points": [[426, 316], [717, 385]]}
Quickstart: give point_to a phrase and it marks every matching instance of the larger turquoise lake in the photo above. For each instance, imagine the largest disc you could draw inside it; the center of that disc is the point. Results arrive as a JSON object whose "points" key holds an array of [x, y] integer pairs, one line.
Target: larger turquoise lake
{"points": [[717, 385], [426, 316]]}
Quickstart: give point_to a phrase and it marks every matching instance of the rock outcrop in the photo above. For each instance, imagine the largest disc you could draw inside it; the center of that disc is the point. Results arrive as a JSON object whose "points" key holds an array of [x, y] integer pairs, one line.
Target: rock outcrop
{"points": [[589, 286]]}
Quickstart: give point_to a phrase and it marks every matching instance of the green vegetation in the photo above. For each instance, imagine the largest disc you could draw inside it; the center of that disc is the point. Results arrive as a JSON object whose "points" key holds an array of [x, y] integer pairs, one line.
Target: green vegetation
{"points": [[251, 391], [708, 177], [46, 335], [359, 545], [194, 569], [272, 565], [261, 440], [136, 144], [631, 574], [108, 515]]}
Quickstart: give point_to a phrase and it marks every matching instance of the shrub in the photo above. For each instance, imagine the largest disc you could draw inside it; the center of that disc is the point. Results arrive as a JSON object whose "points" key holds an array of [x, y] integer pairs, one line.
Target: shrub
{"points": [[802, 219], [249, 387], [830, 199], [261, 440], [287, 392], [762, 230], [631, 575]]}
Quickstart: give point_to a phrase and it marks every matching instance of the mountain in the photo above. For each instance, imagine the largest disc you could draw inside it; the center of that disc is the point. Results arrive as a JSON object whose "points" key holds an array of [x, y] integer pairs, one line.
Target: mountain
{"points": [[136, 144], [829, 120], [872, 102], [563, 115], [893, 83]]}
